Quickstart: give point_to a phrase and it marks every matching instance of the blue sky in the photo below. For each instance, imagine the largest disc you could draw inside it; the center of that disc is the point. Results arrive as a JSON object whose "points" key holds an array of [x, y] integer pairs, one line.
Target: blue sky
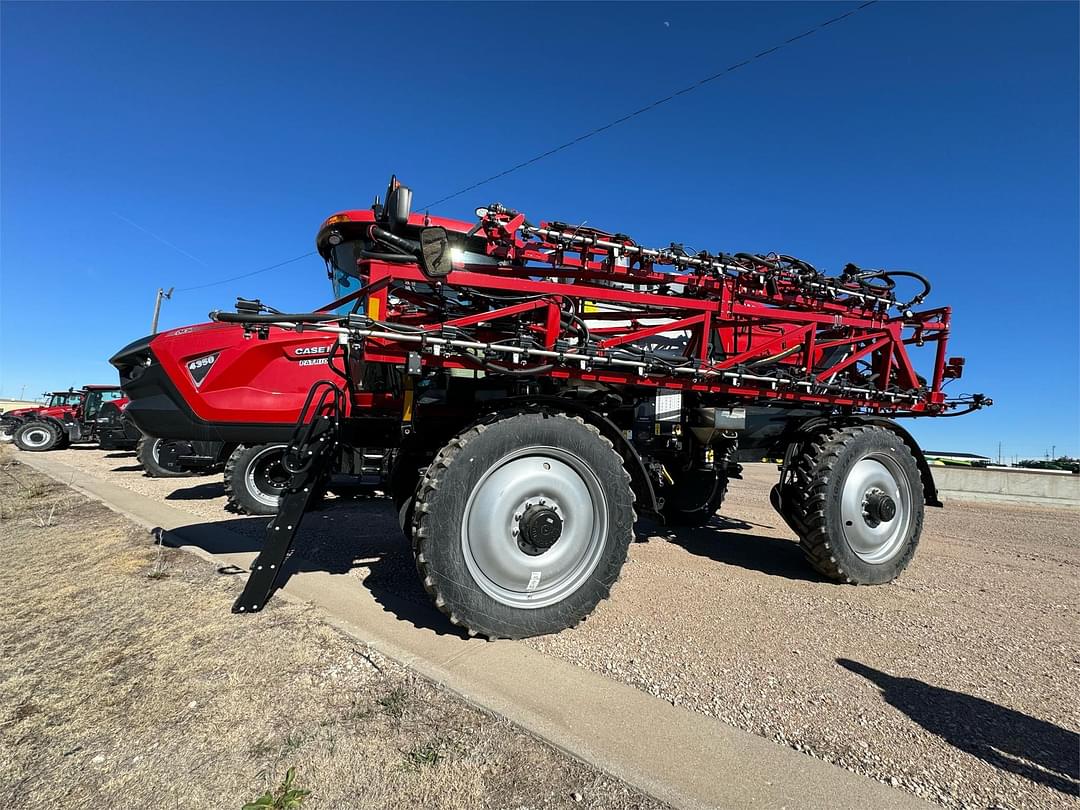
{"points": [[151, 145]]}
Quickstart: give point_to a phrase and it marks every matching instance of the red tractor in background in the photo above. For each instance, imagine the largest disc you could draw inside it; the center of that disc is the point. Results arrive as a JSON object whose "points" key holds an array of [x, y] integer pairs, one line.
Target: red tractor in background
{"points": [[74, 418], [540, 386], [55, 404]]}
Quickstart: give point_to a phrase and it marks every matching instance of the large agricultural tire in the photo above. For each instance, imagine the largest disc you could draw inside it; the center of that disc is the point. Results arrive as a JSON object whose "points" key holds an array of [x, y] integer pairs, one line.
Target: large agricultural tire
{"points": [[148, 454], [693, 498], [522, 523], [36, 437], [858, 496], [255, 478]]}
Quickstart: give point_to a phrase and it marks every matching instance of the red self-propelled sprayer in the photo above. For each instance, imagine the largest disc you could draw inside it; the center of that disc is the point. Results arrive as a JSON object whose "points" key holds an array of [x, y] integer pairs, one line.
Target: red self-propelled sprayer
{"points": [[539, 386]]}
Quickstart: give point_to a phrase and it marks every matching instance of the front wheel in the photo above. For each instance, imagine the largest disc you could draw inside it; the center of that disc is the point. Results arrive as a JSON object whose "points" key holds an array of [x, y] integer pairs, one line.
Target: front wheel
{"points": [[522, 524], [858, 498], [37, 437], [255, 478]]}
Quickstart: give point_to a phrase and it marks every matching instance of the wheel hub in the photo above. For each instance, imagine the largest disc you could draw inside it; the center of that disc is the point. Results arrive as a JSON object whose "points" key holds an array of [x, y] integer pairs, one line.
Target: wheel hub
{"points": [[878, 507], [539, 528], [534, 526]]}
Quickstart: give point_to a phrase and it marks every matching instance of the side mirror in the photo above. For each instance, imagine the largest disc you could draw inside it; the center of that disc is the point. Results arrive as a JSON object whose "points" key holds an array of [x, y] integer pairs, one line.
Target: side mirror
{"points": [[435, 258], [398, 205]]}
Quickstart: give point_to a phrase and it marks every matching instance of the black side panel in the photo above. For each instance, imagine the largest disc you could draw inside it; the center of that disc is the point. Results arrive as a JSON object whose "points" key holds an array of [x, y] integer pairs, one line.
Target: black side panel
{"points": [[158, 410]]}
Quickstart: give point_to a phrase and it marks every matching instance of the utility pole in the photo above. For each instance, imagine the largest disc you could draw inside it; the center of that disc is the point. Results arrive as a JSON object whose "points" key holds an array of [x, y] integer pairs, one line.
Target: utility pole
{"points": [[157, 307], [1053, 452], [999, 454], [22, 392]]}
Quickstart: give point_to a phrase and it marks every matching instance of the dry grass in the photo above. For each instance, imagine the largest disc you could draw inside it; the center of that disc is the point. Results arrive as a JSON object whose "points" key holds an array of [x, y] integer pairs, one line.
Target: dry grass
{"points": [[124, 683]]}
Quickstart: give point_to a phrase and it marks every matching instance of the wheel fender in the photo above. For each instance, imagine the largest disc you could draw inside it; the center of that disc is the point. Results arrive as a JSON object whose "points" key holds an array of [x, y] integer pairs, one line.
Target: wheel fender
{"points": [[640, 482], [53, 422], [807, 426]]}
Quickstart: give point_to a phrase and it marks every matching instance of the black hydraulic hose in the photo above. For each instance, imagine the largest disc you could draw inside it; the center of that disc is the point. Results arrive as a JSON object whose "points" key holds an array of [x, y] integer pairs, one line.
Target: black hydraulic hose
{"points": [[402, 244], [518, 372], [758, 260], [918, 299], [290, 317], [387, 257]]}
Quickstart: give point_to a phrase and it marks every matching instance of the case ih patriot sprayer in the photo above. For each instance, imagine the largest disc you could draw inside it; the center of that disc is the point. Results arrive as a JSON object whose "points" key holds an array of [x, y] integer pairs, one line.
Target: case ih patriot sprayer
{"points": [[539, 386], [241, 416]]}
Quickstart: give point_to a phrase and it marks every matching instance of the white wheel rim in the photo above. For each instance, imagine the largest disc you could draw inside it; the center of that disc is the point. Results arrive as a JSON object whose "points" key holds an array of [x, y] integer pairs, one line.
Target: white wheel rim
{"points": [[261, 477], [36, 437], [872, 539], [544, 479]]}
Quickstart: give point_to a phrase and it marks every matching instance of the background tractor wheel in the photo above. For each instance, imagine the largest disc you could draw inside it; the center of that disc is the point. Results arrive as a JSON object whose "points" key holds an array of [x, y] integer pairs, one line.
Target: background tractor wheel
{"points": [[8, 428], [522, 524], [694, 497], [36, 437], [858, 494], [148, 453], [255, 478]]}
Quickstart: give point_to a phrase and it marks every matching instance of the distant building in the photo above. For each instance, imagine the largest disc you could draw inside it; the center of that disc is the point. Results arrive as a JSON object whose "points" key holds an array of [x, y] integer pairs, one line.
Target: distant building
{"points": [[956, 459]]}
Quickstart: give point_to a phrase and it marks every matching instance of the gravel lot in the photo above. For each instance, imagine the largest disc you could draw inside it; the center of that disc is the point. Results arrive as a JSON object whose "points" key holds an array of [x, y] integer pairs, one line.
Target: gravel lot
{"points": [[123, 684], [957, 683]]}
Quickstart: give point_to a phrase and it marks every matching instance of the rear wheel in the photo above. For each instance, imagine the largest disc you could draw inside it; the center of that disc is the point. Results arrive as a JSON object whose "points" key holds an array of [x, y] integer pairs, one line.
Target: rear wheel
{"points": [[255, 478], [522, 524], [37, 437], [858, 496], [694, 497], [149, 455]]}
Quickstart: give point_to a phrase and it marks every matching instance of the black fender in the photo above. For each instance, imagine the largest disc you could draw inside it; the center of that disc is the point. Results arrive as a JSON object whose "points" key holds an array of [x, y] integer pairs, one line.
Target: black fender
{"points": [[640, 482], [805, 427], [59, 424]]}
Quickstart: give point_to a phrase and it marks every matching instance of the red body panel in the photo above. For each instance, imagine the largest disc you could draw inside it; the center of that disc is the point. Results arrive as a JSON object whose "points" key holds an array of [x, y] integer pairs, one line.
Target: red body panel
{"points": [[249, 380]]}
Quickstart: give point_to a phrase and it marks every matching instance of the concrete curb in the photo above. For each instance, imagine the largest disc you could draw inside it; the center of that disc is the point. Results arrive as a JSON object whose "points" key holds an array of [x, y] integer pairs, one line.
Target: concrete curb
{"points": [[680, 757]]}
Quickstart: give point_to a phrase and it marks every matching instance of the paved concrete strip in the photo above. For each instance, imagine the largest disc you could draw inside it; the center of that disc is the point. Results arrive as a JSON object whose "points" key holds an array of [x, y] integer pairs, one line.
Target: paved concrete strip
{"points": [[678, 756]]}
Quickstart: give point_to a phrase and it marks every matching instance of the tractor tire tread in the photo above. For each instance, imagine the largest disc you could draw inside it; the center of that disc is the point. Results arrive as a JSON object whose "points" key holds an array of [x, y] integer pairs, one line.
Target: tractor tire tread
{"points": [[421, 534], [813, 468]]}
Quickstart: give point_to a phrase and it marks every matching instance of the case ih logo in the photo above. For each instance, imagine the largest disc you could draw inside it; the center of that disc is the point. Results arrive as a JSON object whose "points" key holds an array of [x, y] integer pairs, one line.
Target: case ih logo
{"points": [[304, 351], [198, 369]]}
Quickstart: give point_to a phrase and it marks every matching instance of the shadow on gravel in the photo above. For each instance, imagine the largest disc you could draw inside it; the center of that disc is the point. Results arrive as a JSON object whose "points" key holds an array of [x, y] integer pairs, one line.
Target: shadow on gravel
{"points": [[337, 537], [199, 492], [121, 454], [725, 540], [135, 468], [1010, 740]]}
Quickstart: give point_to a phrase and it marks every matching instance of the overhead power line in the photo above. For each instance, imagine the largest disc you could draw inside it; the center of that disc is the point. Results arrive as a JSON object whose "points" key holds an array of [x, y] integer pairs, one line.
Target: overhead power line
{"points": [[246, 275], [583, 137], [648, 107]]}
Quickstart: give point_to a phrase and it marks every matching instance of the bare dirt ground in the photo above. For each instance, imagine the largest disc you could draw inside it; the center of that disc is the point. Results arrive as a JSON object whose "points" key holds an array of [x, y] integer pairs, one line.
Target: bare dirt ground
{"points": [[957, 683], [125, 683]]}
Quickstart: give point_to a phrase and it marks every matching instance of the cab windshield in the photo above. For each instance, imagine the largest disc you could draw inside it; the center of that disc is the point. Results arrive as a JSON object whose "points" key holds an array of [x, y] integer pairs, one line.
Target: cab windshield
{"points": [[64, 398], [94, 400], [345, 275]]}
